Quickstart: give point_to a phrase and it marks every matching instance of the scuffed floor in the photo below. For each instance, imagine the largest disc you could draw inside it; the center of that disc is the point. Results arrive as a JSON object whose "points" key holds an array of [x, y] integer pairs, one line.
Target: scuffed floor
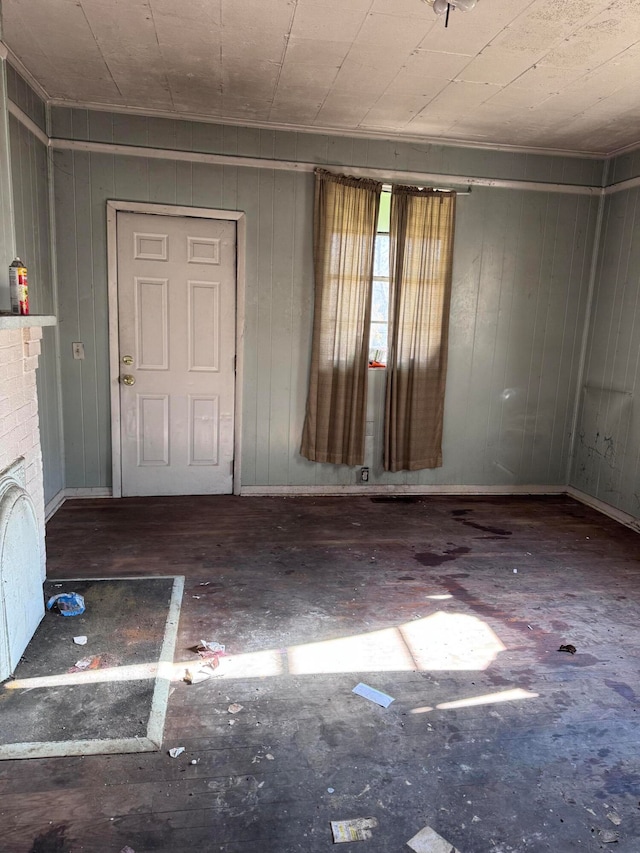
{"points": [[455, 607]]}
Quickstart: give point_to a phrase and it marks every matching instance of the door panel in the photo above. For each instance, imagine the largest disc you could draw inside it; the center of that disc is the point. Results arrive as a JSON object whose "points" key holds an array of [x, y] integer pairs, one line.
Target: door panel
{"points": [[176, 320]]}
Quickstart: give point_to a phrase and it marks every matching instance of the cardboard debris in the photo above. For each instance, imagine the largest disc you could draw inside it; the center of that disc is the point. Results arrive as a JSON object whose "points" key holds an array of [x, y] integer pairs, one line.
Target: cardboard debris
{"points": [[374, 695], [428, 841], [357, 829]]}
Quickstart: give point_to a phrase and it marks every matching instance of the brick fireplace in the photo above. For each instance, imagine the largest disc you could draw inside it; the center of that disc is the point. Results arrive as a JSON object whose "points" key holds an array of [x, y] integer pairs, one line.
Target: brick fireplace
{"points": [[22, 529]]}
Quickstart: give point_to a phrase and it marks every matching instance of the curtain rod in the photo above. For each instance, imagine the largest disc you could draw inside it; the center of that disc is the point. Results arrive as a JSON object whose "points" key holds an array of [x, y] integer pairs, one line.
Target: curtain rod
{"points": [[388, 187]]}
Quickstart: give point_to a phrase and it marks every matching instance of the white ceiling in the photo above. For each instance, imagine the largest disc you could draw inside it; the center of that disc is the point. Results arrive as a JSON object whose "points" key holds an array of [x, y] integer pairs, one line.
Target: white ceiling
{"points": [[552, 74]]}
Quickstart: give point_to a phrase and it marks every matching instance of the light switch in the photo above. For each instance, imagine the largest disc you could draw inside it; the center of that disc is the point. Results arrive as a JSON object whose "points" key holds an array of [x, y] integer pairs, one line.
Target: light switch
{"points": [[78, 349]]}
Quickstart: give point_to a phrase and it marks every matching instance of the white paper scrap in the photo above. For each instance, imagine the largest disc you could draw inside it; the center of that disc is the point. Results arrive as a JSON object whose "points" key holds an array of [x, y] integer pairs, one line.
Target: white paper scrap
{"points": [[357, 829], [80, 641], [374, 695], [428, 841], [176, 751]]}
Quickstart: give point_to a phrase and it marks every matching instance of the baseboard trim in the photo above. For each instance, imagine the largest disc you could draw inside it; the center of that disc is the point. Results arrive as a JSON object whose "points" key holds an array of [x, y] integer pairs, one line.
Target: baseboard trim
{"points": [[265, 491], [54, 505], [606, 509], [72, 494], [97, 492]]}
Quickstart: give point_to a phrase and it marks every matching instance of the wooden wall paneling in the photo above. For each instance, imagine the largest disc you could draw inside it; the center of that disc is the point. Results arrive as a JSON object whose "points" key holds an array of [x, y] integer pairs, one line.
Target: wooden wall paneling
{"points": [[31, 220], [132, 178], [464, 298], [184, 183], [478, 285], [163, 181], [538, 403], [557, 366], [101, 127], [340, 151], [79, 123], [267, 144], [68, 316], [21, 93], [499, 392], [578, 304], [281, 355], [206, 137], [301, 470], [86, 292], [61, 122], [313, 148], [207, 185], [131, 130], [102, 182], [248, 142], [516, 420], [266, 323], [184, 135], [229, 140], [248, 201], [162, 132], [230, 188], [285, 145], [499, 337]]}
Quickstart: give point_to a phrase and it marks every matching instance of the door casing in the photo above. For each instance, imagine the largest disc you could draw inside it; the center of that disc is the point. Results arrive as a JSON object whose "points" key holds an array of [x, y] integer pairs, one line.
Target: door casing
{"points": [[114, 351]]}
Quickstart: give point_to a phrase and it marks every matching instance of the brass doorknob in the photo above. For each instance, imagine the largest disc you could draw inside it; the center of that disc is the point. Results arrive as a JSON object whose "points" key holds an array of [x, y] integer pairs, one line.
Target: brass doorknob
{"points": [[127, 359], [127, 379]]}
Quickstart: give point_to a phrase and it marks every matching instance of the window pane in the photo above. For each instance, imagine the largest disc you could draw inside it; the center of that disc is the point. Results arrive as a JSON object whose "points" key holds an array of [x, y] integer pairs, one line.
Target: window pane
{"points": [[378, 342], [381, 257], [380, 302]]}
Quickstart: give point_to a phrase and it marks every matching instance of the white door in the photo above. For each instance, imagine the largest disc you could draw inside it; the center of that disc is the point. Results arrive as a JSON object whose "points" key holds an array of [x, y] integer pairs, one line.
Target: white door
{"points": [[176, 318]]}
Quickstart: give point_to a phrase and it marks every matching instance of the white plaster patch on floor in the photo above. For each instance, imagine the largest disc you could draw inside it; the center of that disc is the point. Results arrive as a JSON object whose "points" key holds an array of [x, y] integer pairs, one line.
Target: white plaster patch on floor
{"points": [[428, 841]]}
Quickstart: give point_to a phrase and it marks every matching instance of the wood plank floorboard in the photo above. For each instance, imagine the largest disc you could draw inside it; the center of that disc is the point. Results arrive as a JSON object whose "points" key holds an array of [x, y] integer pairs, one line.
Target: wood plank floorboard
{"points": [[456, 607]]}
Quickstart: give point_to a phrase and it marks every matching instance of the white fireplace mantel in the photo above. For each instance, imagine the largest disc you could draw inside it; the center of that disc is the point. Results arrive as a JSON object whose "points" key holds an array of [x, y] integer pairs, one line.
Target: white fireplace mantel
{"points": [[24, 321]]}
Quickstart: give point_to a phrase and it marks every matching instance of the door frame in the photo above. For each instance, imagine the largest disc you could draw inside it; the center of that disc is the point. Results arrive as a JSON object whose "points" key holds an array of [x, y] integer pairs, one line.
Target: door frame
{"points": [[113, 208]]}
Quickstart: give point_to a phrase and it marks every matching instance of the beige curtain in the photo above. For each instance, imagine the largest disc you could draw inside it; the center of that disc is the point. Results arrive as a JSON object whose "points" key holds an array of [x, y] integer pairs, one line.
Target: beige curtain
{"points": [[421, 237], [345, 221]]}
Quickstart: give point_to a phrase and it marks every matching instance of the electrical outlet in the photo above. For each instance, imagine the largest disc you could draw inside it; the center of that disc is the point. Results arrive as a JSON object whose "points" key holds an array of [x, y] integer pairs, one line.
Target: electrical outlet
{"points": [[364, 475], [78, 350]]}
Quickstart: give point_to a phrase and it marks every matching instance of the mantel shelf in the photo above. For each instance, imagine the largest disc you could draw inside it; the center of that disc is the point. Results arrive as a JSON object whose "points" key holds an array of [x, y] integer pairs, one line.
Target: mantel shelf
{"points": [[24, 321]]}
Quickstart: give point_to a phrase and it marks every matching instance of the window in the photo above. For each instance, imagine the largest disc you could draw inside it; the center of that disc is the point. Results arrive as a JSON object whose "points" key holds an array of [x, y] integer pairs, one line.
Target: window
{"points": [[379, 331]]}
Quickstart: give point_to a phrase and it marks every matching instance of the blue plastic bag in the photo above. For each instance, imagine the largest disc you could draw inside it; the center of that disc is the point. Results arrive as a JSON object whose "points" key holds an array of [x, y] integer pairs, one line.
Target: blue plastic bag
{"points": [[67, 603]]}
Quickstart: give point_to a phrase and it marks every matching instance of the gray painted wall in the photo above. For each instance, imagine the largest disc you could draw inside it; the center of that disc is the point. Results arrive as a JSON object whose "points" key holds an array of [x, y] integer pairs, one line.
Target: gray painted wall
{"points": [[607, 455], [32, 234], [520, 273], [94, 126], [23, 96], [7, 234]]}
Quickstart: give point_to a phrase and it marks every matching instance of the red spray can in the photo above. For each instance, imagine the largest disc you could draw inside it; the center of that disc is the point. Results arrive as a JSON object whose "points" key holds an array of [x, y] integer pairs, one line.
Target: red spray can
{"points": [[18, 287]]}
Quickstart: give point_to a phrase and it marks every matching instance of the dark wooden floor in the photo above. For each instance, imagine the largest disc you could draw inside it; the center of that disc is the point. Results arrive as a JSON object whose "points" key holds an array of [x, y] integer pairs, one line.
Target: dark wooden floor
{"points": [[535, 770]]}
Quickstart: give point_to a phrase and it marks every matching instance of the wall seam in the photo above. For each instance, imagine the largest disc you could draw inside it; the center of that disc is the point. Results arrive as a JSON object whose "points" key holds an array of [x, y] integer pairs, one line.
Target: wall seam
{"points": [[595, 257]]}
